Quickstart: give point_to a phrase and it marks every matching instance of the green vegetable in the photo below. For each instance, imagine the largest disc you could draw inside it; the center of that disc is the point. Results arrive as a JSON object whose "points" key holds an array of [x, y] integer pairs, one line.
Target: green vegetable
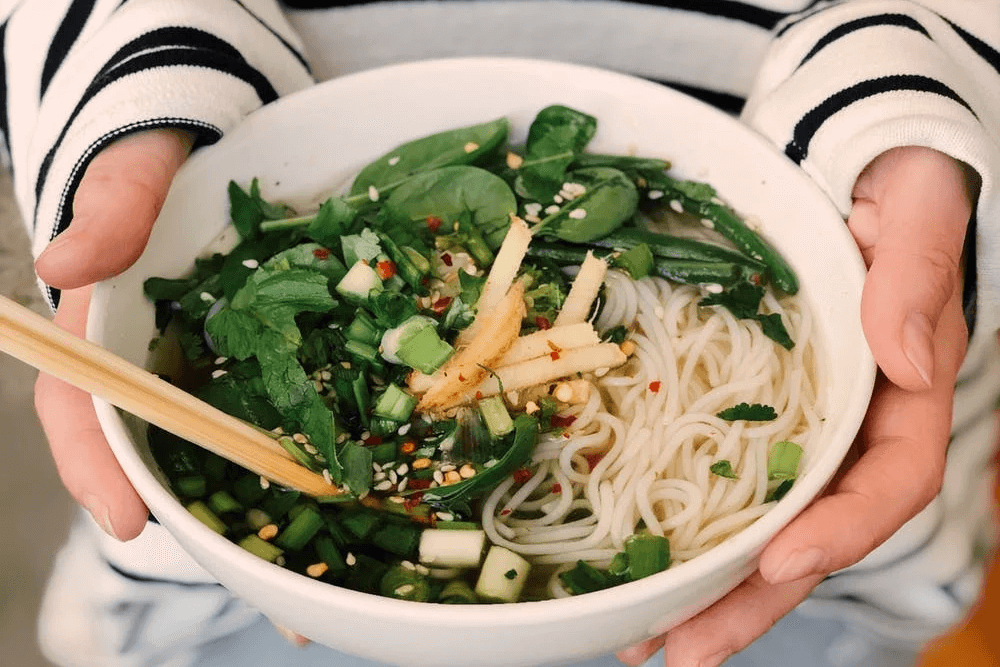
{"points": [[525, 439], [637, 261], [495, 414], [723, 468], [450, 192], [360, 281], [403, 583], [301, 530], [609, 200], [647, 554], [395, 404], [452, 147], [260, 548], [556, 136], [783, 461], [201, 512], [756, 412]]}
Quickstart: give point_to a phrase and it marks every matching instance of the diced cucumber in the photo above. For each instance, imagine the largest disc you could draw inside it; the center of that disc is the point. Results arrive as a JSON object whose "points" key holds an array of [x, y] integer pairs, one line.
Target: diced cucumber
{"points": [[424, 351], [359, 282], [452, 548], [503, 575]]}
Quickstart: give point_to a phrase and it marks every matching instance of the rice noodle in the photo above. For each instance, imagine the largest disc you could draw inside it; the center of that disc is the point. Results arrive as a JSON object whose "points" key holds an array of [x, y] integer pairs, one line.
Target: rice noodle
{"points": [[652, 451]]}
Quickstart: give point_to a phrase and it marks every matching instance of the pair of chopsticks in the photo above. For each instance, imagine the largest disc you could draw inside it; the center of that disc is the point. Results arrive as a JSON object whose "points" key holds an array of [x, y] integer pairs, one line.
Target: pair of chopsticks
{"points": [[33, 339]]}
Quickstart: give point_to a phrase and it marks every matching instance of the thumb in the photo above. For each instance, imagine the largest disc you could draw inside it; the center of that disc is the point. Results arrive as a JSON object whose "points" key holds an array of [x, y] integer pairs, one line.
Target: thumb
{"points": [[910, 216], [115, 206]]}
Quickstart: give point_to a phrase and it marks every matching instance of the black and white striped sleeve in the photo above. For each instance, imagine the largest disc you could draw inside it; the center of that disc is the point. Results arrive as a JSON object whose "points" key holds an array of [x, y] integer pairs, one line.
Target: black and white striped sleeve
{"points": [[77, 74], [850, 79]]}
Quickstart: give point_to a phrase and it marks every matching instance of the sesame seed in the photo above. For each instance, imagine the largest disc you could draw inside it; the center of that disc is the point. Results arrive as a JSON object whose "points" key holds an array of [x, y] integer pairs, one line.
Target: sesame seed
{"points": [[378, 477], [206, 297], [601, 372], [373, 193], [552, 210], [350, 559], [448, 467], [531, 407], [326, 376], [217, 373], [280, 561], [514, 161], [421, 463], [445, 516], [383, 485], [393, 477], [676, 205], [376, 467], [558, 199], [397, 499], [654, 194], [342, 438], [533, 208], [422, 569], [438, 476], [403, 469], [251, 263], [467, 471], [708, 224], [394, 160], [407, 564], [402, 485], [713, 288], [327, 477], [563, 392], [221, 360], [452, 477], [268, 532], [300, 438], [578, 214], [264, 483], [405, 589], [310, 449], [404, 429], [471, 147]]}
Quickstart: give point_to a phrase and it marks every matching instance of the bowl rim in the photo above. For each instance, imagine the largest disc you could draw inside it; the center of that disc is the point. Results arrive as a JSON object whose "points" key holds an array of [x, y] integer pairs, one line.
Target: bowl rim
{"points": [[736, 548]]}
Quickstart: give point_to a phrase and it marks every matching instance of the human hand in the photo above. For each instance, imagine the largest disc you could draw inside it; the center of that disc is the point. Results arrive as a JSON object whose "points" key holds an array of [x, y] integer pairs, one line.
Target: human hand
{"points": [[911, 210], [116, 204]]}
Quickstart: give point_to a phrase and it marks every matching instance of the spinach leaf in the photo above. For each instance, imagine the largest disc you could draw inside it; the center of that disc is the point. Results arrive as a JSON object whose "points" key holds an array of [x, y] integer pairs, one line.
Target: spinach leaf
{"points": [[334, 219], [448, 192], [609, 201], [453, 147], [555, 138]]}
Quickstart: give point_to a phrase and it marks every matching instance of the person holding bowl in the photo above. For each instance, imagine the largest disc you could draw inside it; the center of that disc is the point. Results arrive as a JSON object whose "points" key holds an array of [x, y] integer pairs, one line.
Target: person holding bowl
{"points": [[889, 105]]}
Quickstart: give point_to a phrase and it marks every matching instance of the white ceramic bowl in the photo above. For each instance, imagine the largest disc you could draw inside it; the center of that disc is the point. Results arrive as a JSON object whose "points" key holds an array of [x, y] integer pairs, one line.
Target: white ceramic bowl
{"points": [[310, 144]]}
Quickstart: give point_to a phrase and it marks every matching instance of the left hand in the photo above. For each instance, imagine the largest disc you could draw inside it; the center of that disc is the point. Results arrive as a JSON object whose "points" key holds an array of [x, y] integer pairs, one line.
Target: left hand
{"points": [[910, 213]]}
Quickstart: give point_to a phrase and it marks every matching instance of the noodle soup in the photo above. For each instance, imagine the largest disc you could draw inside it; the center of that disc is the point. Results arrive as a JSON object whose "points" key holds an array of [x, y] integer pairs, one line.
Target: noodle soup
{"points": [[521, 384]]}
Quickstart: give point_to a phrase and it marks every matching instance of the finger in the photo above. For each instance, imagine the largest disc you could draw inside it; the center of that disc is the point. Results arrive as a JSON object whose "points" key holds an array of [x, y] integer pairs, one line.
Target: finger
{"points": [[910, 222], [83, 458], [114, 208], [728, 626], [903, 443]]}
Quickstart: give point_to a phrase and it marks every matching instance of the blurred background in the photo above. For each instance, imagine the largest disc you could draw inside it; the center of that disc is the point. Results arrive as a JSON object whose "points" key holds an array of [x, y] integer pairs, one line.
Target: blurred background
{"points": [[37, 510]]}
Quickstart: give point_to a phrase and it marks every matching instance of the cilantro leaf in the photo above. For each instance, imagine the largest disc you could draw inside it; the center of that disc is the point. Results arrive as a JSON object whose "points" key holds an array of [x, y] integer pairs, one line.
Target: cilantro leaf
{"points": [[334, 219], [248, 209], [754, 412], [723, 468], [742, 299], [364, 246], [775, 329]]}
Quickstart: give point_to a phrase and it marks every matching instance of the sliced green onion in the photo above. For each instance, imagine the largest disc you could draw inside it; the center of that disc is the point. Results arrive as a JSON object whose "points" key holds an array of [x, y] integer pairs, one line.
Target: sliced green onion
{"points": [[783, 462]]}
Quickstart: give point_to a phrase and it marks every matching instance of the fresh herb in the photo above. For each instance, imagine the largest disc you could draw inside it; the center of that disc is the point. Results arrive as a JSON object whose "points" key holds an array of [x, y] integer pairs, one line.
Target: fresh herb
{"points": [[754, 412], [723, 468]]}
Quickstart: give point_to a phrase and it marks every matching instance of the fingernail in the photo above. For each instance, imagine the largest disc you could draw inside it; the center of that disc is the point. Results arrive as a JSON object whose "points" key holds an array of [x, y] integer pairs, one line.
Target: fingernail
{"points": [[101, 514], [798, 564], [918, 344]]}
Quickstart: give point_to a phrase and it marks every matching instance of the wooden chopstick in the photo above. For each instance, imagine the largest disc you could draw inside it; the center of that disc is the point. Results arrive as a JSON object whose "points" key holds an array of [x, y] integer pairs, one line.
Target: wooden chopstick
{"points": [[38, 342]]}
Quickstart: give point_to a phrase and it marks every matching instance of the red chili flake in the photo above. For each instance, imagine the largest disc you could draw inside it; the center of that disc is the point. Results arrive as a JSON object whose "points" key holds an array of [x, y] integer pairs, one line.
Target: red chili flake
{"points": [[461, 378], [554, 355], [321, 253], [479, 395], [654, 386], [386, 269], [413, 500], [522, 475], [418, 483], [504, 512], [559, 421], [408, 447], [446, 258], [557, 488], [593, 459], [433, 223], [757, 279], [441, 304], [543, 322], [373, 440]]}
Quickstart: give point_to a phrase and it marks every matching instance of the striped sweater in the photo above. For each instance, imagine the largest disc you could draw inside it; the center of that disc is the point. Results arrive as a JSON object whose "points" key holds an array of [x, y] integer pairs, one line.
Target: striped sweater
{"points": [[832, 83]]}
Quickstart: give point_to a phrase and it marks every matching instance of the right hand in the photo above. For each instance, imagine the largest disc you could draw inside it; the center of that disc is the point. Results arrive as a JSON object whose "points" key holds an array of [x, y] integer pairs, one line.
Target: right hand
{"points": [[116, 204]]}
